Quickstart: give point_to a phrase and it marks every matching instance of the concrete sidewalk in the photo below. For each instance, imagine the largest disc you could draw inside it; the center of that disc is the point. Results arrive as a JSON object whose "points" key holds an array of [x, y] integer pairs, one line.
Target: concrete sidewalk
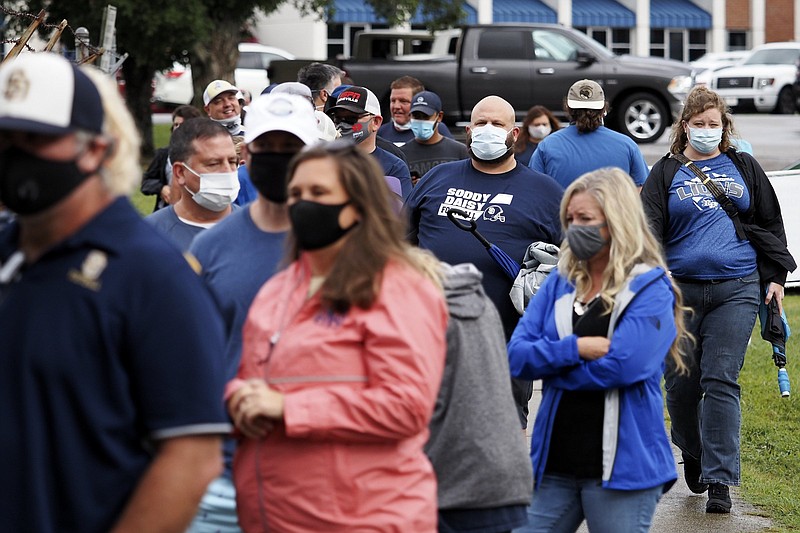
{"points": [[681, 511]]}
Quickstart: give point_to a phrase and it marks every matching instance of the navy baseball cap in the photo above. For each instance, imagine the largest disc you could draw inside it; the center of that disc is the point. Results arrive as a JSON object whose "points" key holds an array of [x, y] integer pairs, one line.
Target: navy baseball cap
{"points": [[46, 94], [427, 102]]}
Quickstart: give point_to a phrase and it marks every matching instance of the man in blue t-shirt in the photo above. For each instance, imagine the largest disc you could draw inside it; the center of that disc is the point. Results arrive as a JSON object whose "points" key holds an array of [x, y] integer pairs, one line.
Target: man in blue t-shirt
{"points": [[204, 165], [111, 390], [586, 144], [357, 115], [243, 251], [512, 205]]}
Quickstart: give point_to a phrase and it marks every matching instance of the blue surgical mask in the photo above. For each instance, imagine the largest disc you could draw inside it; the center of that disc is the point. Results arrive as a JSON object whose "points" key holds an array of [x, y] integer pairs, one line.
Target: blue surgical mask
{"points": [[705, 140], [489, 142], [423, 129]]}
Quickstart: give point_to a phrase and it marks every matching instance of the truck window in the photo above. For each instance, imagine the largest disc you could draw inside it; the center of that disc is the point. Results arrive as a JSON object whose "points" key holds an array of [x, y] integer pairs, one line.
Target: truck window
{"points": [[553, 46], [504, 45]]}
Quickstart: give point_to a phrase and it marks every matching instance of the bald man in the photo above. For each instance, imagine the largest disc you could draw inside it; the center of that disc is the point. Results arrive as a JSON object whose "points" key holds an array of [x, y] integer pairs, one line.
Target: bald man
{"points": [[512, 205]]}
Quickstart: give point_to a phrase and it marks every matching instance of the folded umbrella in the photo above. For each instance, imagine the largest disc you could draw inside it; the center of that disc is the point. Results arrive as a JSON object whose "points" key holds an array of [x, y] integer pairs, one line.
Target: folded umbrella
{"points": [[503, 260], [775, 330]]}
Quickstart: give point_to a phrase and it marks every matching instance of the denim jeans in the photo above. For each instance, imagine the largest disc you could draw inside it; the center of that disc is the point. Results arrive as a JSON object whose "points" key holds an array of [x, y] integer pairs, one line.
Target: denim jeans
{"points": [[704, 405], [561, 503], [217, 512]]}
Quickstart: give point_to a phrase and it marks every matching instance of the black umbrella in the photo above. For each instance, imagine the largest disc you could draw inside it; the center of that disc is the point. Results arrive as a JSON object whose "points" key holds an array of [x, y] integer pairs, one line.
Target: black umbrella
{"points": [[503, 260], [775, 330]]}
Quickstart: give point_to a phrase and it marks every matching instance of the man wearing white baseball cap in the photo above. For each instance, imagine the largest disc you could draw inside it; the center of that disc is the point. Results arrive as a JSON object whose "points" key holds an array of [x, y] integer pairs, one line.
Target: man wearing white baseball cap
{"points": [[243, 251], [110, 410], [586, 144], [223, 103]]}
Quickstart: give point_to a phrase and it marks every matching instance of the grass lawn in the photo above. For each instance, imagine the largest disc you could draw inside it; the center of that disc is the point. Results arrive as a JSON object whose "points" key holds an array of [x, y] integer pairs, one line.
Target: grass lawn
{"points": [[771, 428]]}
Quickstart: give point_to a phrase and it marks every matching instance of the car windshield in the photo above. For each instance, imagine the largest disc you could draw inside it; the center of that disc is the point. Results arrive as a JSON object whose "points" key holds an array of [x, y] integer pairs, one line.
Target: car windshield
{"points": [[774, 56]]}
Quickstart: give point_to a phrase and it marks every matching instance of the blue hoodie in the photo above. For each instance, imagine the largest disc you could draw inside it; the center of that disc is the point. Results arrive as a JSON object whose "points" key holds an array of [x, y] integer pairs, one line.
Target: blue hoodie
{"points": [[636, 450]]}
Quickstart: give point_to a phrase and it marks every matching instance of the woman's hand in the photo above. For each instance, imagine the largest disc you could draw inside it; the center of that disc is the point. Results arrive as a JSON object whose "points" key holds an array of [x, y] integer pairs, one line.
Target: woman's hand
{"points": [[775, 291], [591, 348], [254, 406]]}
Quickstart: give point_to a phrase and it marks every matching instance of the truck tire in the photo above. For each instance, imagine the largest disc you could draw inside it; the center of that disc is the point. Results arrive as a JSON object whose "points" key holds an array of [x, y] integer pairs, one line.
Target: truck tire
{"points": [[785, 104], [642, 117]]}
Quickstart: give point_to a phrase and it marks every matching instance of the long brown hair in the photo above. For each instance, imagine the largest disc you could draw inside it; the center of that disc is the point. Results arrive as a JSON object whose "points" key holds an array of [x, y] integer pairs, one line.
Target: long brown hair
{"points": [[587, 120], [533, 113], [378, 237], [701, 99]]}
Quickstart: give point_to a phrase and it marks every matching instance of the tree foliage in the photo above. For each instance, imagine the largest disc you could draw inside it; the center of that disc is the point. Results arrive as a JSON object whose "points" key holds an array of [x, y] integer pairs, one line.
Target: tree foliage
{"points": [[154, 34]]}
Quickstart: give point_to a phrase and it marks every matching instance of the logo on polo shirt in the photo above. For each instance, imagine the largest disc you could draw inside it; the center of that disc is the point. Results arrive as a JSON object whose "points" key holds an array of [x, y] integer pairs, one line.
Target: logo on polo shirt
{"points": [[92, 268]]}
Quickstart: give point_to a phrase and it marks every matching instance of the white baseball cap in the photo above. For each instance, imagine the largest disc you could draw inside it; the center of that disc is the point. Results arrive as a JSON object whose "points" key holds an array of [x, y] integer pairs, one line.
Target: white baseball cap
{"points": [[217, 87], [280, 112]]}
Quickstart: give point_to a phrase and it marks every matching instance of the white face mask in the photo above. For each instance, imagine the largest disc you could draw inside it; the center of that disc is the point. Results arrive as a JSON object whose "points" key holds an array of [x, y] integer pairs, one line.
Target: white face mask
{"points": [[539, 132], [488, 142], [401, 127], [217, 190], [233, 124]]}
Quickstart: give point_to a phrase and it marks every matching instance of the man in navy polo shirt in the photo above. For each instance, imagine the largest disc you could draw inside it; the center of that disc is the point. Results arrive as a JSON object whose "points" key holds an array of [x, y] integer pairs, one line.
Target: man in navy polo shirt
{"points": [[112, 374]]}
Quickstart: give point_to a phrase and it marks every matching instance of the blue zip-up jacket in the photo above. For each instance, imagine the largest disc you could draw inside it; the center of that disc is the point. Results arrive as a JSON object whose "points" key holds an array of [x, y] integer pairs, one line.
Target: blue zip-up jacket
{"points": [[636, 450]]}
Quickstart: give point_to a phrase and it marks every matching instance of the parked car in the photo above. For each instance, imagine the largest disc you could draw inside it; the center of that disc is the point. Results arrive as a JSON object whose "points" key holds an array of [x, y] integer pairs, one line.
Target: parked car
{"points": [[174, 87], [708, 64], [530, 64], [762, 81]]}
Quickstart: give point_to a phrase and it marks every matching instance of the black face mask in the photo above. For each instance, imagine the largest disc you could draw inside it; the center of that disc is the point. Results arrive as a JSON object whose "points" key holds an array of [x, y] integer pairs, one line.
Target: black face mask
{"points": [[29, 184], [268, 173], [316, 225]]}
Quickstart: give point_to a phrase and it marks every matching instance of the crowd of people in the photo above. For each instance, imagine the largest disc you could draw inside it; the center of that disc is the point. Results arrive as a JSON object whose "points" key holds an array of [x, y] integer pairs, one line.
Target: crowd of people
{"points": [[298, 338]]}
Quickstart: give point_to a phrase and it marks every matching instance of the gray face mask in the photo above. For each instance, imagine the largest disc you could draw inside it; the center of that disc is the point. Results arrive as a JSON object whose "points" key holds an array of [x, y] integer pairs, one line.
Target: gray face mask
{"points": [[585, 241]]}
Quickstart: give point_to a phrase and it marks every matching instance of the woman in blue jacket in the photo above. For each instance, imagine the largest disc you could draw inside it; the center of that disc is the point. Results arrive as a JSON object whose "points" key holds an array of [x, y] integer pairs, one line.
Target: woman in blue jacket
{"points": [[597, 333]]}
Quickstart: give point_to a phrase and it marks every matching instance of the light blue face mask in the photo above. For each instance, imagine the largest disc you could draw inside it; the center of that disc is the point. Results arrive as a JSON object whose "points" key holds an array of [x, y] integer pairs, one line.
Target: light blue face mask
{"points": [[705, 140], [423, 129]]}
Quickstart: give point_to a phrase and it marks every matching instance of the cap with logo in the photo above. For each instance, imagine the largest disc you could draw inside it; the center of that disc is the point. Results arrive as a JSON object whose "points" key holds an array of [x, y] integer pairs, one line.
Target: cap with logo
{"points": [[281, 112], [426, 102], [44, 93], [358, 100], [586, 94], [216, 88]]}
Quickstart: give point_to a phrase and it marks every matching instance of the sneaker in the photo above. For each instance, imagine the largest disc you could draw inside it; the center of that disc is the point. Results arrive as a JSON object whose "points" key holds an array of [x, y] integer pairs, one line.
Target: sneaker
{"points": [[691, 473], [719, 500]]}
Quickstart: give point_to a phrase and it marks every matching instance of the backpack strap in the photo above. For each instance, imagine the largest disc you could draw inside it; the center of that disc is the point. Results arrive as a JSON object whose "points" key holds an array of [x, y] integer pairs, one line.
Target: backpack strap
{"points": [[719, 195]]}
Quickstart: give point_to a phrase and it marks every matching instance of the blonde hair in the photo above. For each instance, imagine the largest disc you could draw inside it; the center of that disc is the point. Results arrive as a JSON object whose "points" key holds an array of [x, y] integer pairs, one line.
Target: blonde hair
{"points": [[632, 243], [121, 171]]}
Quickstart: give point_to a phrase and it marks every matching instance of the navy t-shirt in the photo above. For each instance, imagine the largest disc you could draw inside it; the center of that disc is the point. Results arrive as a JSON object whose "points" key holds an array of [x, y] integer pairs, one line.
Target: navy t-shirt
{"points": [[511, 210], [394, 166], [110, 342]]}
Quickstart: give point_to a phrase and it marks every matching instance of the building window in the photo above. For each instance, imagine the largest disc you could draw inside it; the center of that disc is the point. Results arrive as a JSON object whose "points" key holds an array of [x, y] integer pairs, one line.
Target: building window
{"points": [[737, 40], [678, 44], [618, 40]]}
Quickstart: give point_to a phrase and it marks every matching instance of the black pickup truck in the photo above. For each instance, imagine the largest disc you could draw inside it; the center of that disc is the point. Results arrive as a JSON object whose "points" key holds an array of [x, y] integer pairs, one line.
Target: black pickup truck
{"points": [[529, 64]]}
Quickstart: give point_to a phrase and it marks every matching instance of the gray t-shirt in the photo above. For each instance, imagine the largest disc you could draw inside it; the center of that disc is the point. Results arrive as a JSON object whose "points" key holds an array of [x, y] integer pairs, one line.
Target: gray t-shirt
{"points": [[423, 157]]}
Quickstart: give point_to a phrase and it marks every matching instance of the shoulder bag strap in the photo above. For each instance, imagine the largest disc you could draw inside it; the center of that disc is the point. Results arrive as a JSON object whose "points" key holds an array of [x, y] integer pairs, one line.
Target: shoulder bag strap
{"points": [[716, 190]]}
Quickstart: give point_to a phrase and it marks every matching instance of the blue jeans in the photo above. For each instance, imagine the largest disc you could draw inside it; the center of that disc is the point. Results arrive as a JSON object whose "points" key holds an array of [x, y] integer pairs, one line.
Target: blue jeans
{"points": [[704, 405], [217, 512], [561, 503]]}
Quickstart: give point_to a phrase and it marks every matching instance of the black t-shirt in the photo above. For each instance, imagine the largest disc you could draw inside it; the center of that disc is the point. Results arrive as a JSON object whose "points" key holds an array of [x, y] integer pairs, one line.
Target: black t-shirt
{"points": [[576, 446]]}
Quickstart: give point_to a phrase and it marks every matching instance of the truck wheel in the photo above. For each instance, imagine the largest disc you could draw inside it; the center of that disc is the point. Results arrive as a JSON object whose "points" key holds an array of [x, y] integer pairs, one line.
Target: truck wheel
{"points": [[642, 117], [786, 103]]}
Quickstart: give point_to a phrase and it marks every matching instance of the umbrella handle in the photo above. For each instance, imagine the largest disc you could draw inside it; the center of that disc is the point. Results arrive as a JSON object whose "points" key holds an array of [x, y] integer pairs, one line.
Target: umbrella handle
{"points": [[468, 225]]}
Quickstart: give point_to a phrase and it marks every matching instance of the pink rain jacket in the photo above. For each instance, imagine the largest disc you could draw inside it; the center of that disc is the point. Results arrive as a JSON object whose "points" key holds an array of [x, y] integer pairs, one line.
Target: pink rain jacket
{"points": [[360, 389]]}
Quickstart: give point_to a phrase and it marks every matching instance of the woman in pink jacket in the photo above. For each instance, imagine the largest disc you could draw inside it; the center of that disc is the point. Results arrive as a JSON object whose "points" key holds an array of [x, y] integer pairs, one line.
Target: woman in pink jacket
{"points": [[341, 364]]}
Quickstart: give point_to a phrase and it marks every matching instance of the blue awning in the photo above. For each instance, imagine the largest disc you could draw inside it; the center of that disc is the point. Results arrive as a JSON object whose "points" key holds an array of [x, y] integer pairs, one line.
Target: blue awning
{"points": [[522, 11], [678, 14], [602, 13], [358, 11]]}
